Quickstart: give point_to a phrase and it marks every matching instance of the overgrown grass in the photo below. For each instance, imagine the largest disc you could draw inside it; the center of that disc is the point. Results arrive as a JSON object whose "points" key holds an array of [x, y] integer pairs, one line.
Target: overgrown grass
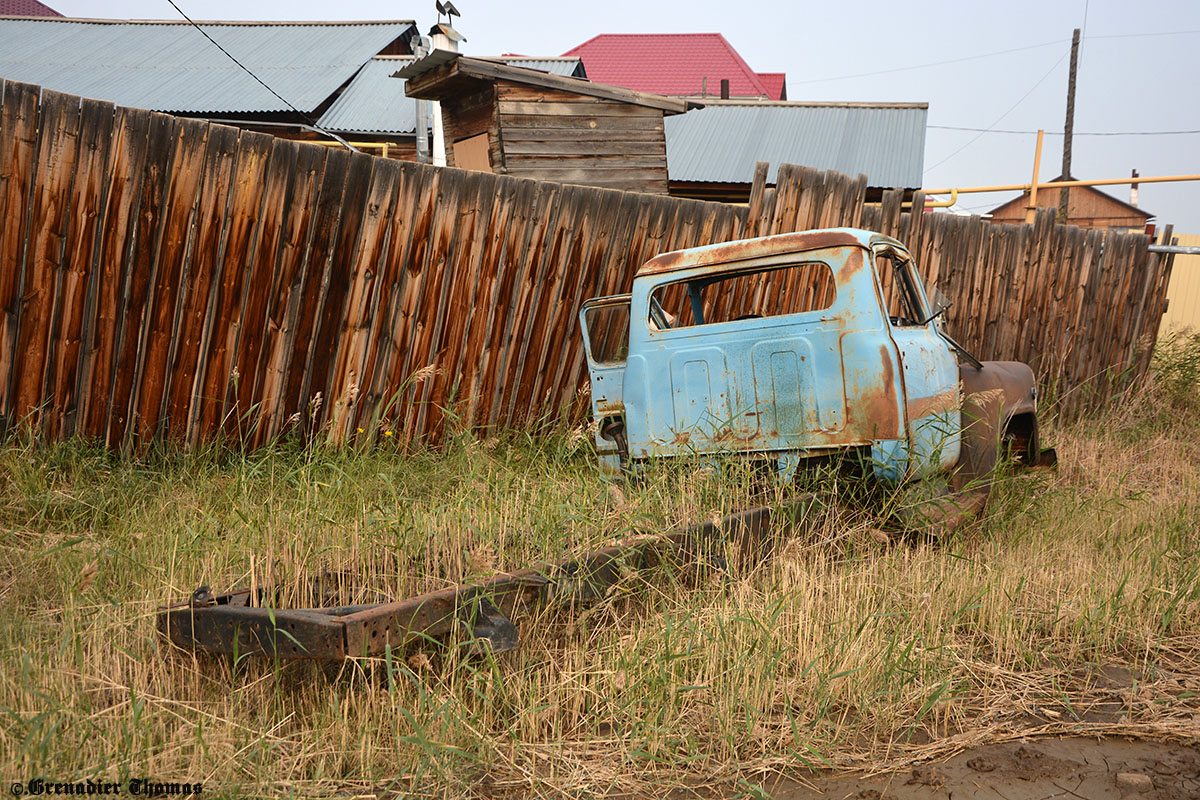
{"points": [[1073, 606]]}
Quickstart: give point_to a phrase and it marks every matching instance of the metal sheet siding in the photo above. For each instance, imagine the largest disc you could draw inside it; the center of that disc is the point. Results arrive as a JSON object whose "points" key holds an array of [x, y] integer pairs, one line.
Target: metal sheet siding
{"points": [[375, 102], [722, 143], [1183, 293], [172, 67]]}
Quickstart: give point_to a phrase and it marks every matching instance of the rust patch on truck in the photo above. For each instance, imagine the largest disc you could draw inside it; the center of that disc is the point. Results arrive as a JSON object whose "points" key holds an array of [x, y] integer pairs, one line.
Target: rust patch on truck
{"points": [[853, 263], [728, 253], [937, 404], [878, 415]]}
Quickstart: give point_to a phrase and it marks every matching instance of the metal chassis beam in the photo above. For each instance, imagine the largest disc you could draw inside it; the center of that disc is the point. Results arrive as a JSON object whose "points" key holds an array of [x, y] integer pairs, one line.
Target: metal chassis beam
{"points": [[231, 625]]}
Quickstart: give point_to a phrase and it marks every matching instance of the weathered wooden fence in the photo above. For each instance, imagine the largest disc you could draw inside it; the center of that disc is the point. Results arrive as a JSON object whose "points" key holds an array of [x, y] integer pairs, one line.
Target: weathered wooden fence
{"points": [[163, 277], [1081, 306]]}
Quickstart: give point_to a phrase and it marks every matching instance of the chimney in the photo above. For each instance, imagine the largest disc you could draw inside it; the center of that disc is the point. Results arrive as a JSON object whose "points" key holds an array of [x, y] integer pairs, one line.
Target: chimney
{"points": [[1133, 188], [724, 88], [420, 50], [704, 86], [444, 38]]}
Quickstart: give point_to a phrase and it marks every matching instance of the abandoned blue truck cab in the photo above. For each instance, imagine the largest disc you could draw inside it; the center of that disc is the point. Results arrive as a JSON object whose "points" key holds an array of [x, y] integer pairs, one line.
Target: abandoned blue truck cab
{"points": [[790, 347]]}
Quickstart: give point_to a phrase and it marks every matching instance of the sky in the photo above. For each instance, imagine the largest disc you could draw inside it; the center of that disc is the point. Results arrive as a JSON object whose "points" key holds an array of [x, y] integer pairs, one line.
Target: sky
{"points": [[989, 68]]}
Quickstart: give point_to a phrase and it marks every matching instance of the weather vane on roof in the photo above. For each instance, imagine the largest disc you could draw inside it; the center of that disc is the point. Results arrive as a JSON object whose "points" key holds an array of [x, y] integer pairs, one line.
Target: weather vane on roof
{"points": [[448, 9]]}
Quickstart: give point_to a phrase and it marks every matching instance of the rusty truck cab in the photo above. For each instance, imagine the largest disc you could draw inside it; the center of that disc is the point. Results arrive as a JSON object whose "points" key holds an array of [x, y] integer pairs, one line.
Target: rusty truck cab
{"points": [[787, 346]]}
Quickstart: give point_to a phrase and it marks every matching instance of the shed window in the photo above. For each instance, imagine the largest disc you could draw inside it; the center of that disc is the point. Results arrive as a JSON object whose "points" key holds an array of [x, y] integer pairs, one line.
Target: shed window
{"points": [[473, 153]]}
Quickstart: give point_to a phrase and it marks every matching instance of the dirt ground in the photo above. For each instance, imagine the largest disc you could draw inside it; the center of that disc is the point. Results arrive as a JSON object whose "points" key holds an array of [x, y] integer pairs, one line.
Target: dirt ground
{"points": [[1033, 770]]}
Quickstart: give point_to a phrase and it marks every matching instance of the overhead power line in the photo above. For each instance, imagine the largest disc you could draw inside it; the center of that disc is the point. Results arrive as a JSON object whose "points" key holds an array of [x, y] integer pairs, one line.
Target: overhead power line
{"points": [[1143, 35], [929, 64], [1000, 118], [304, 115], [1060, 133], [987, 55]]}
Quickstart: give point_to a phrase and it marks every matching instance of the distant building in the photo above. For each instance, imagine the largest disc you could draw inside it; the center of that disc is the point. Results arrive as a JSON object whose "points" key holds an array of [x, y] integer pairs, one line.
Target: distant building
{"points": [[712, 151], [1087, 207], [171, 66], [374, 109], [526, 123], [26, 8], [679, 64], [1183, 293]]}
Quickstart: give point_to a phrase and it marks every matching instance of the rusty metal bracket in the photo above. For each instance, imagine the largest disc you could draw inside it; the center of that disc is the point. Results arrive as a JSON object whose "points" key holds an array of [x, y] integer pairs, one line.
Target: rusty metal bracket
{"points": [[487, 630], [481, 614], [1046, 457]]}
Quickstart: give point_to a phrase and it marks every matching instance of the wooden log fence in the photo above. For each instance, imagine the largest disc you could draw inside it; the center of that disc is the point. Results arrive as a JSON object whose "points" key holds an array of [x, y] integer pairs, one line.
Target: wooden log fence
{"points": [[170, 278]]}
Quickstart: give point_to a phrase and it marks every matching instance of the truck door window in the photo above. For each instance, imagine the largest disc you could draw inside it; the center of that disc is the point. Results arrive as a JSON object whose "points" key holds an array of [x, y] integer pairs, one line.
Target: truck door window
{"points": [[900, 291], [790, 289], [608, 333]]}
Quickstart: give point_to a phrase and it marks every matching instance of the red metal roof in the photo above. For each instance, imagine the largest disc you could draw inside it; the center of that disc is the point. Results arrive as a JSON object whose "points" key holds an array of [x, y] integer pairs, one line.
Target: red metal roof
{"points": [[26, 8], [670, 63], [775, 82]]}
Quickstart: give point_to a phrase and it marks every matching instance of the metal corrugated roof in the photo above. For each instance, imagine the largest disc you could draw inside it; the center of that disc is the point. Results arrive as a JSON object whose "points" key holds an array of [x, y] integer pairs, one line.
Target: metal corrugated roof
{"points": [[722, 142], [678, 64], [375, 102], [569, 67], [168, 66]]}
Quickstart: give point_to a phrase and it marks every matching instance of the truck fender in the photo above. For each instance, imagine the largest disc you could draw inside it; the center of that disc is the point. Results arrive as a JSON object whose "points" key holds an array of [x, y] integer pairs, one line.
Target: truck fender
{"points": [[999, 399]]}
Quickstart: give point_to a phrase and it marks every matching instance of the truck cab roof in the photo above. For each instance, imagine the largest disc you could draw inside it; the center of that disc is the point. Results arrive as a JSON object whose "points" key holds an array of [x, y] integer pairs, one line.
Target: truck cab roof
{"points": [[732, 253]]}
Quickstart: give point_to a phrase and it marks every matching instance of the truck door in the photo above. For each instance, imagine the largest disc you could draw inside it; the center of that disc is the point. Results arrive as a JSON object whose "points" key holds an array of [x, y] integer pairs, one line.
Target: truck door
{"points": [[928, 365]]}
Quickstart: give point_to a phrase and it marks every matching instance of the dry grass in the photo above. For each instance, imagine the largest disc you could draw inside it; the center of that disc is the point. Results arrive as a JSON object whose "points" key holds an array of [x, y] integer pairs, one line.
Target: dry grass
{"points": [[1074, 607]]}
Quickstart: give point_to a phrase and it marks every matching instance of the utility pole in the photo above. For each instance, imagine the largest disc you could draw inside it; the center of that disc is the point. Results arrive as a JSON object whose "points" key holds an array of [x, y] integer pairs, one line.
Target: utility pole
{"points": [[1068, 129]]}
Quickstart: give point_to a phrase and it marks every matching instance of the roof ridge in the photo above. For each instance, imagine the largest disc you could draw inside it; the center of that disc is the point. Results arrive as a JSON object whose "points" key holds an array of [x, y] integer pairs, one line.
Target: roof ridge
{"points": [[675, 33], [754, 79], [239, 22], [752, 102], [411, 57], [583, 44]]}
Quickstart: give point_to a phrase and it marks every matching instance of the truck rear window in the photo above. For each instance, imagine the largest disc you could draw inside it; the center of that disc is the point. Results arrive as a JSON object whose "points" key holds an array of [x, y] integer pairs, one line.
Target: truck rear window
{"points": [[790, 289]]}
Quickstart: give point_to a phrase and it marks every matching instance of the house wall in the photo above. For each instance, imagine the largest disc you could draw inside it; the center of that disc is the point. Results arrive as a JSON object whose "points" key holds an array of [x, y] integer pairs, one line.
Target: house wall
{"points": [[1088, 208], [1183, 292], [553, 135], [720, 192], [401, 148]]}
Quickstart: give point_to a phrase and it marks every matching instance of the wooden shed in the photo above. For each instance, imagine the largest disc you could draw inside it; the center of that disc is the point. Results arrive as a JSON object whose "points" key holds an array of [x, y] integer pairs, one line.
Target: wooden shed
{"points": [[1087, 207], [526, 123]]}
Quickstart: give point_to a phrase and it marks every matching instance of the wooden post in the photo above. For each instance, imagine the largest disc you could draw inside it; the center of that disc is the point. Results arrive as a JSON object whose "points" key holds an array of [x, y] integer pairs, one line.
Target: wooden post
{"points": [[757, 189], [1031, 209]]}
